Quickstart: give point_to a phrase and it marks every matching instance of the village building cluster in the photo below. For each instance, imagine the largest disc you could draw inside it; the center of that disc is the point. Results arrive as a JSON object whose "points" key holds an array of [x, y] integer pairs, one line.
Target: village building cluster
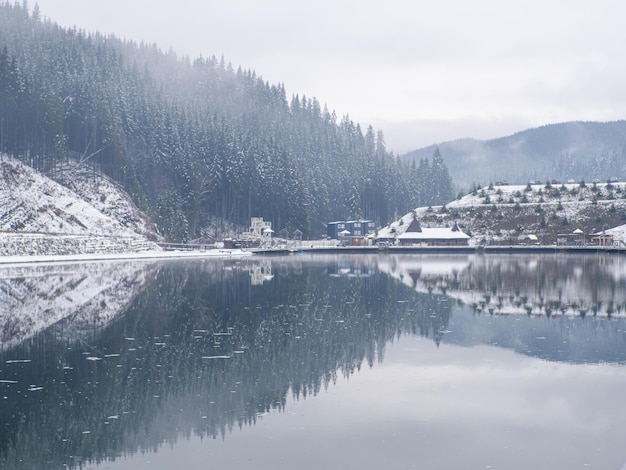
{"points": [[363, 233]]}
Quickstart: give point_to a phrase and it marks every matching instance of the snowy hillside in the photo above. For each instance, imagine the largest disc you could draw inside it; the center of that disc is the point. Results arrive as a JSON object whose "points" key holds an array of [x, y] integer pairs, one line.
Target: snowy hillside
{"points": [[508, 214], [40, 216], [108, 198]]}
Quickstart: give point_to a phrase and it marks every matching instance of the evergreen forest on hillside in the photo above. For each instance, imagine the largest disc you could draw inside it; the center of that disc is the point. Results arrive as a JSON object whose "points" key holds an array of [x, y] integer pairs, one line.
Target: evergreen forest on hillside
{"points": [[195, 142]]}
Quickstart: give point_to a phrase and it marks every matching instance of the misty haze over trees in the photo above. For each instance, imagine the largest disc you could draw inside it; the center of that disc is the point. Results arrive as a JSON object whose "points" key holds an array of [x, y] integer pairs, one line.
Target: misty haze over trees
{"points": [[571, 150], [195, 141]]}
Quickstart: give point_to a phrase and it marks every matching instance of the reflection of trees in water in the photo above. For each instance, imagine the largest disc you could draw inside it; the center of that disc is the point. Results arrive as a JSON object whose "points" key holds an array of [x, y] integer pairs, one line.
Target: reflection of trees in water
{"points": [[198, 353], [532, 284], [560, 290], [563, 285]]}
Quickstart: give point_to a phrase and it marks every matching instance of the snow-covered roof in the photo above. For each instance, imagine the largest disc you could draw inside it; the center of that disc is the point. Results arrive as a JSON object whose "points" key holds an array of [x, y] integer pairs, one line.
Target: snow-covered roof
{"points": [[439, 233], [618, 233]]}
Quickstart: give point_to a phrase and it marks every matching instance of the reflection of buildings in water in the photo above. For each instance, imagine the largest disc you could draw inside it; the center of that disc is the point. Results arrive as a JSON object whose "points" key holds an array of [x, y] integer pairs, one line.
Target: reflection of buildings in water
{"points": [[519, 284], [352, 266], [424, 273], [262, 269], [261, 272]]}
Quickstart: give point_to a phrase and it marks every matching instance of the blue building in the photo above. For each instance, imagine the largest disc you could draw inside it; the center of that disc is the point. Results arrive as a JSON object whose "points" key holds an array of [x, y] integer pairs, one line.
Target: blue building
{"points": [[350, 228]]}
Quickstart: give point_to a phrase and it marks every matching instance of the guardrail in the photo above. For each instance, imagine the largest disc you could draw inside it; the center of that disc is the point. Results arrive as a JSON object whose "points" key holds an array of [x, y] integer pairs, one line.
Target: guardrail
{"points": [[186, 247]]}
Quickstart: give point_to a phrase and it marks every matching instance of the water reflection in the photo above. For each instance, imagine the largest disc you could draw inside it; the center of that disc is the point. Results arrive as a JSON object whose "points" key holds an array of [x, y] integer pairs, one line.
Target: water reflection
{"points": [[536, 285], [505, 294], [200, 348], [74, 297]]}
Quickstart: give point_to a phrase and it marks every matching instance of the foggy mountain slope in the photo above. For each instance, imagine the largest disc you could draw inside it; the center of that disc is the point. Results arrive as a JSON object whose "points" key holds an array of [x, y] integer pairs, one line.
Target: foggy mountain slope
{"points": [[572, 150], [195, 142]]}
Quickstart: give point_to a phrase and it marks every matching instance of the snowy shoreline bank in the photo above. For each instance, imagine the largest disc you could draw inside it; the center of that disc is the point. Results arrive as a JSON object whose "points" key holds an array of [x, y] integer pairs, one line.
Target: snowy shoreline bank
{"points": [[147, 255]]}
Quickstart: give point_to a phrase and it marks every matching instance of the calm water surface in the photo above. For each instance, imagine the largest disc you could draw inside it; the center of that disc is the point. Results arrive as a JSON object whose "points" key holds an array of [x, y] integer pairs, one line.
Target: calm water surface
{"points": [[339, 362]]}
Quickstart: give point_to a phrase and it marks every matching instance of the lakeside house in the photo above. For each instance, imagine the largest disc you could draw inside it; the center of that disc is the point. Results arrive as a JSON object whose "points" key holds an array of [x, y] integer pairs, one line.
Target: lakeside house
{"points": [[349, 228], [615, 236], [415, 234], [575, 238]]}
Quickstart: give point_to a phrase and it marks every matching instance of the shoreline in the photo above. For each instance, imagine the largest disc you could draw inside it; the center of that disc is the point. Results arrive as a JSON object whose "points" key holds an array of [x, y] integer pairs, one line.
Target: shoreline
{"points": [[237, 253], [141, 255], [494, 249]]}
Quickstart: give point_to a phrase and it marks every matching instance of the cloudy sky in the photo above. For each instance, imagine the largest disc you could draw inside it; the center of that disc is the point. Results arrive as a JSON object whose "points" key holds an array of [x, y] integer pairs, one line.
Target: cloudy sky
{"points": [[421, 71]]}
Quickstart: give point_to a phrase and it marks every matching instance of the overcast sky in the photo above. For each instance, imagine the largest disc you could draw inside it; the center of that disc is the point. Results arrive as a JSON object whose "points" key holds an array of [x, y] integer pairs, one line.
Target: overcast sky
{"points": [[421, 71]]}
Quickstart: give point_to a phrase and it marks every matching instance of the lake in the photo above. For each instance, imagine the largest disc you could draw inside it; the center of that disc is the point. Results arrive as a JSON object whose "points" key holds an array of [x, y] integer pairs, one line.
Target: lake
{"points": [[315, 361]]}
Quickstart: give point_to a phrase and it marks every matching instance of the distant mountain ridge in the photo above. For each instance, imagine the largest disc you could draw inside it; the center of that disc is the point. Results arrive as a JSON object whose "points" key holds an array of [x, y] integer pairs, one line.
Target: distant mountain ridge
{"points": [[571, 150]]}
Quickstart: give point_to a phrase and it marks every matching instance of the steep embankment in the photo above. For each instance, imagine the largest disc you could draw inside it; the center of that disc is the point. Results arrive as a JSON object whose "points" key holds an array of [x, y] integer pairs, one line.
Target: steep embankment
{"points": [[40, 216]]}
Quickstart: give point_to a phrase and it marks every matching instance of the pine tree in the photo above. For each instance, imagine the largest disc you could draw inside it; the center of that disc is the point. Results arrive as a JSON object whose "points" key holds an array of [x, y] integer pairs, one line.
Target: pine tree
{"points": [[442, 183]]}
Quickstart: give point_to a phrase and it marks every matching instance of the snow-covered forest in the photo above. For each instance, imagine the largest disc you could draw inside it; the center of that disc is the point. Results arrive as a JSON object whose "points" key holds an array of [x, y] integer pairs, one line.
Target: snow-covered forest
{"points": [[195, 141]]}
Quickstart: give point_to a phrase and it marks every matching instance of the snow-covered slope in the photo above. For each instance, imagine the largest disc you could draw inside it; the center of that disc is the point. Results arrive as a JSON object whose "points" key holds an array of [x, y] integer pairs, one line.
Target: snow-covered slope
{"points": [[108, 198], [507, 214], [40, 216]]}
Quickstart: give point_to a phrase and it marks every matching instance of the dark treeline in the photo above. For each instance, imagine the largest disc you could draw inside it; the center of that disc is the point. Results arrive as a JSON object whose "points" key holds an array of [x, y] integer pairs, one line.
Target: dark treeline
{"points": [[194, 141]]}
